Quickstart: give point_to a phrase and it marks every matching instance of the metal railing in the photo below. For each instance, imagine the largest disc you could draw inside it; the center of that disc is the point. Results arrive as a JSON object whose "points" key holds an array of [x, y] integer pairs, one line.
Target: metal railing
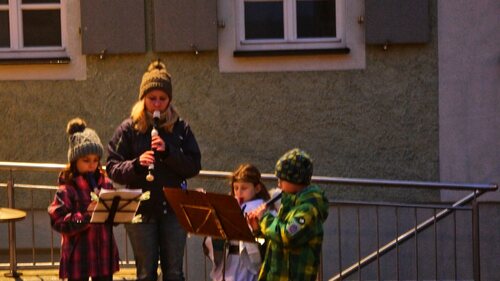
{"points": [[440, 211]]}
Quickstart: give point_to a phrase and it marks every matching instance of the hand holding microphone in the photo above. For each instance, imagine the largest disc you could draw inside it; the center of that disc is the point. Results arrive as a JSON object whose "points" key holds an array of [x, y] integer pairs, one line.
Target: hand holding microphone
{"points": [[156, 143]]}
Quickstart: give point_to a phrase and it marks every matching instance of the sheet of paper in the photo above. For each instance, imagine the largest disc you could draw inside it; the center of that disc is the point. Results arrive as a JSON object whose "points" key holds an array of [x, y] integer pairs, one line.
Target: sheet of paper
{"points": [[127, 207]]}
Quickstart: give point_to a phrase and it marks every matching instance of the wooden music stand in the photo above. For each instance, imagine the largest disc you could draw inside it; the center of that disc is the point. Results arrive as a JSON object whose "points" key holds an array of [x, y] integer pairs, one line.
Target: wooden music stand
{"points": [[209, 214]]}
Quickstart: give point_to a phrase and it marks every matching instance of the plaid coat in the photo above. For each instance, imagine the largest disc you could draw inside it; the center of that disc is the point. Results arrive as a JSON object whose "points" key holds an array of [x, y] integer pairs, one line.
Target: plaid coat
{"points": [[84, 246], [294, 236]]}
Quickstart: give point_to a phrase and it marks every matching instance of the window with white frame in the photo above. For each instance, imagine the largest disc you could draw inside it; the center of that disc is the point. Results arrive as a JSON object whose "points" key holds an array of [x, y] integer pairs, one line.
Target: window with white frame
{"points": [[32, 29], [290, 24], [290, 35], [40, 40]]}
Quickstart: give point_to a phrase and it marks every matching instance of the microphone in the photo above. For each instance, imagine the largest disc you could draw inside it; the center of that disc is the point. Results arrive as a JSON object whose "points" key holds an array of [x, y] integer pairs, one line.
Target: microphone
{"points": [[154, 133]]}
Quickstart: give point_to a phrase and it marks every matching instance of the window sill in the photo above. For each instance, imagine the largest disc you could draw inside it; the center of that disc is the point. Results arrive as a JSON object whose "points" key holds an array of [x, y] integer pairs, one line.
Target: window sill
{"points": [[30, 61], [288, 52]]}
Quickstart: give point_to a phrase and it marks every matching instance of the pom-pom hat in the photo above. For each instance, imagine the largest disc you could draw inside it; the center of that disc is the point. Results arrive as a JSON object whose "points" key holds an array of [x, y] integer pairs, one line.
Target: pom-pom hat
{"points": [[156, 77], [295, 166], [82, 140]]}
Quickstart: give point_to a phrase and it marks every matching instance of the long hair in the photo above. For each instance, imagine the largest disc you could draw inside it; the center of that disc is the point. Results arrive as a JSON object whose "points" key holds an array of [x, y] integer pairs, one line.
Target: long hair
{"points": [[70, 172], [138, 116], [249, 173], [142, 122]]}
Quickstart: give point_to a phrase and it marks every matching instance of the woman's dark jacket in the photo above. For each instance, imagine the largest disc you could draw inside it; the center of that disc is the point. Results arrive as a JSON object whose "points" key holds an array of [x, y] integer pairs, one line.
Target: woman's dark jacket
{"points": [[180, 161]]}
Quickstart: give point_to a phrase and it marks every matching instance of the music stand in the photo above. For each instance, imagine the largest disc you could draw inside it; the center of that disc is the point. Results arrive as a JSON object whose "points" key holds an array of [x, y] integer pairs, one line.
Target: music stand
{"points": [[115, 206], [209, 214]]}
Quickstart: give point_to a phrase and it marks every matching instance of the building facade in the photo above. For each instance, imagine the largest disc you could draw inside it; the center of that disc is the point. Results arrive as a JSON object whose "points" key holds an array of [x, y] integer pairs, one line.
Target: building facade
{"points": [[386, 89]]}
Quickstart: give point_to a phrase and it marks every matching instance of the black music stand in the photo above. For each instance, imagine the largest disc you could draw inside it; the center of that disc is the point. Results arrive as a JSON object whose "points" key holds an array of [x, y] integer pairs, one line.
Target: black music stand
{"points": [[115, 206]]}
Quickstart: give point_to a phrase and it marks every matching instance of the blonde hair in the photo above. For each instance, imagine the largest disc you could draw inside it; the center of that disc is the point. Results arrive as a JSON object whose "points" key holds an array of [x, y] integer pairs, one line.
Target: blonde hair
{"points": [[249, 173], [142, 122], [138, 116]]}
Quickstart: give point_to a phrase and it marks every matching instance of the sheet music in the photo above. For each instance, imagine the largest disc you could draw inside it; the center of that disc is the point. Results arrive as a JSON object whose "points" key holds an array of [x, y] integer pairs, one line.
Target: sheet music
{"points": [[124, 193], [127, 207]]}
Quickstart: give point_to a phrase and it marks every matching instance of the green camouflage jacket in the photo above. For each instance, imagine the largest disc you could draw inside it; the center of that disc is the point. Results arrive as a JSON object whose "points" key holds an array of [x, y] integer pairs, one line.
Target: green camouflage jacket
{"points": [[294, 236]]}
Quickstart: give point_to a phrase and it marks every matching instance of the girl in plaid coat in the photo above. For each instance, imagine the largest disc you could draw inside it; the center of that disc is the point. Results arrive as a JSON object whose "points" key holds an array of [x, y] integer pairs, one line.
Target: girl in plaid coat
{"points": [[84, 247]]}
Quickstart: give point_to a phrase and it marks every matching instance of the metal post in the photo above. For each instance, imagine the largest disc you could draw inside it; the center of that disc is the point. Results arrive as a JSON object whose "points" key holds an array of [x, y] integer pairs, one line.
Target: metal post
{"points": [[12, 232], [339, 244], [475, 241]]}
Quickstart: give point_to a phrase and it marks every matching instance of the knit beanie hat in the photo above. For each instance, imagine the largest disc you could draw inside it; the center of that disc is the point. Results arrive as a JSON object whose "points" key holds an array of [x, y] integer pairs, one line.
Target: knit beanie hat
{"points": [[295, 166], [156, 77], [82, 140]]}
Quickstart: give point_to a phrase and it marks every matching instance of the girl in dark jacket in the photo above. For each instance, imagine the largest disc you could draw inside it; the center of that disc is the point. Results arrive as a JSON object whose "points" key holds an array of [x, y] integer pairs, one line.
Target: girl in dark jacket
{"points": [[172, 156], [85, 248]]}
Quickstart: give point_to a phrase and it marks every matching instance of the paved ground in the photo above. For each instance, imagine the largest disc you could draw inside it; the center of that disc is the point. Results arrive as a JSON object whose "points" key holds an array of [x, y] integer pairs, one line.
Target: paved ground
{"points": [[52, 275]]}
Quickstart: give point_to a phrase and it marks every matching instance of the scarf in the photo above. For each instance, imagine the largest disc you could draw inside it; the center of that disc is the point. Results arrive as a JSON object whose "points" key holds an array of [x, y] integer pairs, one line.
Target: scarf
{"points": [[167, 118]]}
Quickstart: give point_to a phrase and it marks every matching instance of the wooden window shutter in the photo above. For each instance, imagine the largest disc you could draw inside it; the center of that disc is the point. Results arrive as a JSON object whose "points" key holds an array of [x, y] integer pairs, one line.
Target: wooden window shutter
{"points": [[113, 26], [185, 25], [397, 21]]}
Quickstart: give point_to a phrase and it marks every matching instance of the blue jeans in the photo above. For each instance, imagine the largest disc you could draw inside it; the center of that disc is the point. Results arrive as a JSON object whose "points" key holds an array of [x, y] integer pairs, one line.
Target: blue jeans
{"points": [[164, 236]]}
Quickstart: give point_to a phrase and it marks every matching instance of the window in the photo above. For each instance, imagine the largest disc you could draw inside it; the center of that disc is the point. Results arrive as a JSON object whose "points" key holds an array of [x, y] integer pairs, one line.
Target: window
{"points": [[31, 29], [40, 40], [290, 35], [290, 24]]}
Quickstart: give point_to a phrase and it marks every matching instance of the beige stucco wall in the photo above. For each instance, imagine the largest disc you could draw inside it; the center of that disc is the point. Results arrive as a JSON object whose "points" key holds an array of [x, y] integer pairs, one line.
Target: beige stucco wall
{"points": [[380, 122], [469, 93]]}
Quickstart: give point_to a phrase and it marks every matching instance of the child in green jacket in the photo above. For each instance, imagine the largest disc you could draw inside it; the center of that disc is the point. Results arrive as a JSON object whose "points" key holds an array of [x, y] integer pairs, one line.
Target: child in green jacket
{"points": [[295, 235]]}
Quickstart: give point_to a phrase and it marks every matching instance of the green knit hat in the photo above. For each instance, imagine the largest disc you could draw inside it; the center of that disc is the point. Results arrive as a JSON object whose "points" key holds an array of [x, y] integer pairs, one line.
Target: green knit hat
{"points": [[82, 140], [156, 77], [295, 166]]}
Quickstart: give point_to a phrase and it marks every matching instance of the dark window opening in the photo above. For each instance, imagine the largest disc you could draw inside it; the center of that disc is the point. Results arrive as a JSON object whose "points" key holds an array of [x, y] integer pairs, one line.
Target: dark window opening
{"points": [[4, 29], [264, 20], [316, 19], [42, 28]]}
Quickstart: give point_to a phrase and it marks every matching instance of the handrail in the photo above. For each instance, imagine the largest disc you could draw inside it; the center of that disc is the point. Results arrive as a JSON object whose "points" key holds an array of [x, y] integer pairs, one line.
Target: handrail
{"points": [[53, 167], [476, 189], [25, 166], [33, 186], [404, 237]]}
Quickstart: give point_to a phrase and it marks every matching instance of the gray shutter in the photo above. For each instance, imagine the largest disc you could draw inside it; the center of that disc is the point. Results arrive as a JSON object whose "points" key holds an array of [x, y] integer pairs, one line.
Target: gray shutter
{"points": [[113, 26], [185, 25], [397, 21]]}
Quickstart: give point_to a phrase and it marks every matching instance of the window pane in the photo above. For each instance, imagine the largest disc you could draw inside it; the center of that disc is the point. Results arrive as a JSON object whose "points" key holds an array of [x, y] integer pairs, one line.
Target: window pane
{"points": [[4, 29], [40, 1], [316, 18], [42, 28], [263, 20]]}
